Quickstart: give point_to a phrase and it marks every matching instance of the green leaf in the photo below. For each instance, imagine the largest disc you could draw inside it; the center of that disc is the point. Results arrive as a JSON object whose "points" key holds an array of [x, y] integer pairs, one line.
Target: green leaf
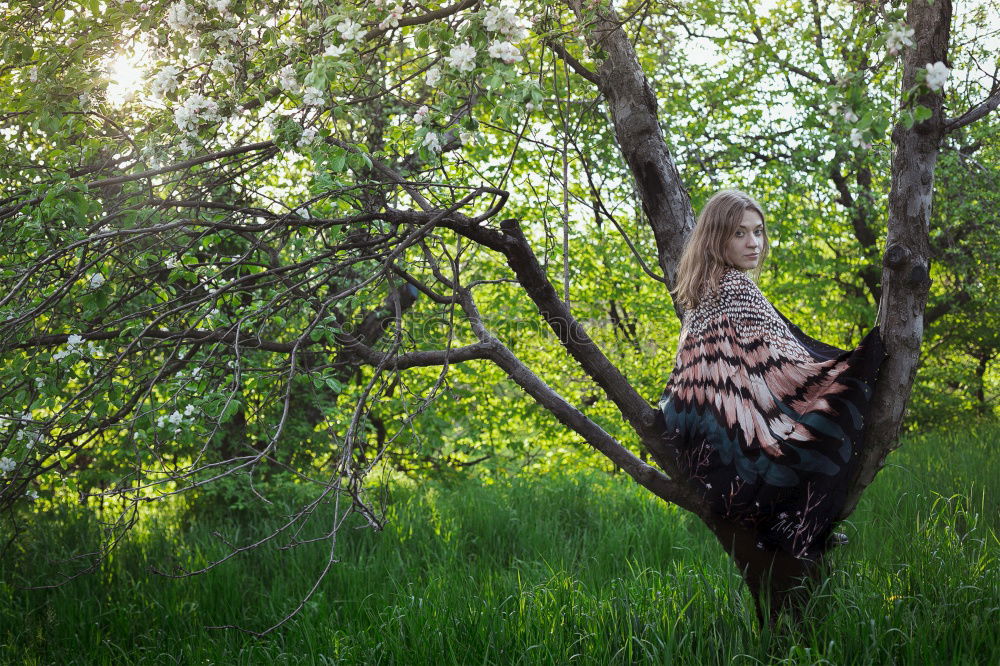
{"points": [[230, 410], [357, 161]]}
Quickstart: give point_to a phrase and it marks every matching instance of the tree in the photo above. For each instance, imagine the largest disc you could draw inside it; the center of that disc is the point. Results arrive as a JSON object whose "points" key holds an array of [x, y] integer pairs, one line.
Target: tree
{"points": [[319, 216]]}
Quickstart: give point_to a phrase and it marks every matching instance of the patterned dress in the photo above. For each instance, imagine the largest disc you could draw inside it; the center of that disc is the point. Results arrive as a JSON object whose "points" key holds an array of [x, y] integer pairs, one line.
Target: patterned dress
{"points": [[766, 420]]}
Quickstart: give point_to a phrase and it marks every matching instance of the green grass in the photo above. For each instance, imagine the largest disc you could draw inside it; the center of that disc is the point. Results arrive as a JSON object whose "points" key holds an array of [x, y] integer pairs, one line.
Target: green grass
{"points": [[576, 568]]}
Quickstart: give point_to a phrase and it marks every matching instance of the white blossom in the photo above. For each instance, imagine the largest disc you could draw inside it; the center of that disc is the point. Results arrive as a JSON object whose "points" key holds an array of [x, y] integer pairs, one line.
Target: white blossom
{"points": [[72, 343], [433, 142], [505, 21], [491, 19], [462, 57], [6, 465], [33, 74], [189, 410], [222, 64], [174, 419], [29, 437], [195, 109], [171, 262], [180, 17], [850, 116], [433, 76], [392, 20], [937, 75], [32, 494], [309, 136], [227, 37], [350, 30], [195, 55], [288, 42], [466, 137], [313, 96], [287, 80], [335, 50], [221, 6], [421, 115], [505, 51], [518, 32], [96, 281], [836, 108], [165, 81], [899, 36], [858, 139]]}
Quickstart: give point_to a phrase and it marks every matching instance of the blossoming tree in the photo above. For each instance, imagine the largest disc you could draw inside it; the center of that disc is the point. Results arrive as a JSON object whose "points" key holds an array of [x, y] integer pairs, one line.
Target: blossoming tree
{"points": [[306, 227]]}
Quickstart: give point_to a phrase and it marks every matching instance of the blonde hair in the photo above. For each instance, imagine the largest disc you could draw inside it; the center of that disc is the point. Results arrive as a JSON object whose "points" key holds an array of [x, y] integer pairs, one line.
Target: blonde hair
{"points": [[704, 258]]}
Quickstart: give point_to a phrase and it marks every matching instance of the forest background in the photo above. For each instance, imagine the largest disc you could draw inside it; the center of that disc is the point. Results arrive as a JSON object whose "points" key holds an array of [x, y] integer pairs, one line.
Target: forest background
{"points": [[222, 287]]}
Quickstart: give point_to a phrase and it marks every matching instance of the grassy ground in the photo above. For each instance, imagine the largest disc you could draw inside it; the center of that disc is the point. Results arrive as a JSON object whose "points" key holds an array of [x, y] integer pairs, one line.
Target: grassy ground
{"points": [[578, 568]]}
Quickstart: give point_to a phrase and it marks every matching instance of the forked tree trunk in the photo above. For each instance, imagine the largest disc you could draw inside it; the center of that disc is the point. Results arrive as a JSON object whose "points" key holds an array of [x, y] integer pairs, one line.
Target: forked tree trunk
{"points": [[772, 578]]}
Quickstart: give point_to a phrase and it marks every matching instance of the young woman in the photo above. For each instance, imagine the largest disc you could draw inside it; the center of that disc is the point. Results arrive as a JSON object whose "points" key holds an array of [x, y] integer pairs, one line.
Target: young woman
{"points": [[766, 421]]}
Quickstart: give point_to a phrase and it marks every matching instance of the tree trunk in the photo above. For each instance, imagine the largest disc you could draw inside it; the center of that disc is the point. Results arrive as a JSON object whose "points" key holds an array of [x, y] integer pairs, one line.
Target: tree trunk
{"points": [[906, 264]]}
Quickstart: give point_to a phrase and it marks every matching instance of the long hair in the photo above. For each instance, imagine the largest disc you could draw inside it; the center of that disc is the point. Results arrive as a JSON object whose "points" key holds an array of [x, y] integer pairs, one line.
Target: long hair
{"points": [[704, 258]]}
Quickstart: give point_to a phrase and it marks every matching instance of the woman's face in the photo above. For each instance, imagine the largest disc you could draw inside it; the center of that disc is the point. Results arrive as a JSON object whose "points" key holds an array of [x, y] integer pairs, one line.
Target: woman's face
{"points": [[744, 247]]}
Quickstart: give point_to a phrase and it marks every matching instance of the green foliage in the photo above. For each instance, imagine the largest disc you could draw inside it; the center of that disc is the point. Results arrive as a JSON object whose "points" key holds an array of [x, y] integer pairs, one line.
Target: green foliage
{"points": [[579, 565], [216, 288]]}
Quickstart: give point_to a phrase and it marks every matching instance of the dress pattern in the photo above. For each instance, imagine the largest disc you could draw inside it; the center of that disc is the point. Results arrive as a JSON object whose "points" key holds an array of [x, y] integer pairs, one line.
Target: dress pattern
{"points": [[766, 420]]}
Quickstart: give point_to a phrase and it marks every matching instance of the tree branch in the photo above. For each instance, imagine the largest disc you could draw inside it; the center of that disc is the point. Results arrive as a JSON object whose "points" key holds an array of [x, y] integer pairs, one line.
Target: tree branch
{"points": [[646, 475], [423, 19], [859, 221], [575, 64], [350, 343], [975, 113]]}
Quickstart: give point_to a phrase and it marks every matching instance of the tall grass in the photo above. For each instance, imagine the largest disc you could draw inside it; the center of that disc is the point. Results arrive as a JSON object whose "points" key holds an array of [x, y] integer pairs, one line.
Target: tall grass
{"points": [[581, 567]]}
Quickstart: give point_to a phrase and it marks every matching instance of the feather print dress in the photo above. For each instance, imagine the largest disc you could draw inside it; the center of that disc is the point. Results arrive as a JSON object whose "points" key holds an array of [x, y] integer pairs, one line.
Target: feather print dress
{"points": [[766, 420]]}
